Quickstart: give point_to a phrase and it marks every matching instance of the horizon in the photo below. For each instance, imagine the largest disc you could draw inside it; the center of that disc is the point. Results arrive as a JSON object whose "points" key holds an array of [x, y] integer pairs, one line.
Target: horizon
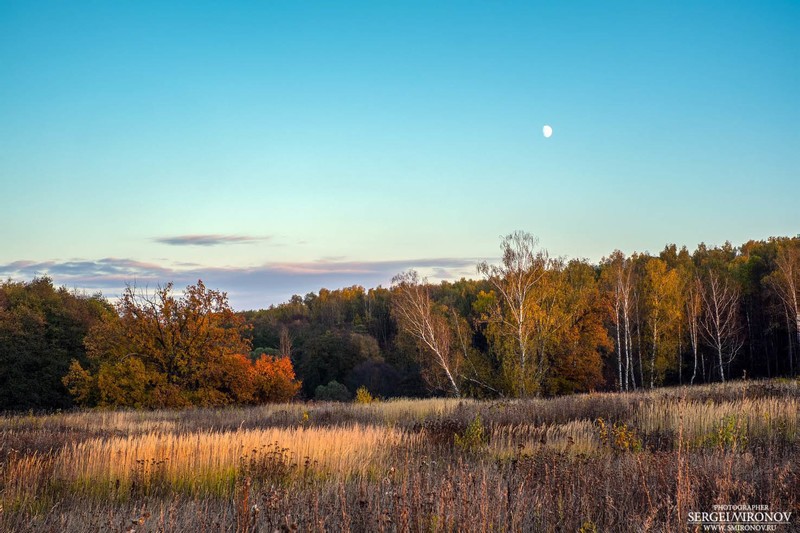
{"points": [[350, 274], [273, 149]]}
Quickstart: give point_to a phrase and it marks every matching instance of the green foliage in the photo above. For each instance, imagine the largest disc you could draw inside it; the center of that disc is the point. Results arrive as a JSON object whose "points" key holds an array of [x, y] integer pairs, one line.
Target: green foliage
{"points": [[42, 330], [474, 437], [56, 345], [332, 392], [331, 356], [729, 433]]}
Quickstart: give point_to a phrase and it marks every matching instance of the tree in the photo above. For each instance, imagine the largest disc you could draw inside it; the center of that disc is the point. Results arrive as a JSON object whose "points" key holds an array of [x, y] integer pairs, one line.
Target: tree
{"points": [[41, 330], [274, 380], [694, 315], [332, 392], [785, 282], [331, 355], [576, 359], [428, 323], [720, 326], [617, 275], [378, 376], [160, 350], [285, 348], [518, 319], [663, 308]]}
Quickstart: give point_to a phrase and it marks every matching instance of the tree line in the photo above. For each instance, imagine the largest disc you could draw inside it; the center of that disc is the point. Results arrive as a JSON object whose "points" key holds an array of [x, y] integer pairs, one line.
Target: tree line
{"points": [[528, 325]]}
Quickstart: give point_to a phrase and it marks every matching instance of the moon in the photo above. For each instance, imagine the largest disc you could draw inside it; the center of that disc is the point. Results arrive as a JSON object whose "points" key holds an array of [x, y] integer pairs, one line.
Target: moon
{"points": [[547, 131]]}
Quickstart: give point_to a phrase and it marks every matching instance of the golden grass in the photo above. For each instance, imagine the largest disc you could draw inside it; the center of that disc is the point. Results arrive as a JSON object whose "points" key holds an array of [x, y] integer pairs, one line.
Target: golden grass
{"points": [[760, 417], [574, 437], [656, 455], [165, 420], [406, 409], [106, 421], [208, 459]]}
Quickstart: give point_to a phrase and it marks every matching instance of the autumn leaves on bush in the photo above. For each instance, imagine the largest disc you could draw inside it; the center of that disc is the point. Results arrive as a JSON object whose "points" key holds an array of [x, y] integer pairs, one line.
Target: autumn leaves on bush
{"points": [[159, 350]]}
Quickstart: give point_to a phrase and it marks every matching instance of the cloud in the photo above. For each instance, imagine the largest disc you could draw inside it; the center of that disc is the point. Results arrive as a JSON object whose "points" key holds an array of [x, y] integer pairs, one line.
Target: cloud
{"points": [[247, 287], [101, 272], [209, 240]]}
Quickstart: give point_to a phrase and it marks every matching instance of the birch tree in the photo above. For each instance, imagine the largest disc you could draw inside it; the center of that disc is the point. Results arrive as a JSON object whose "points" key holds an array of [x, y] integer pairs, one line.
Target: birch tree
{"points": [[426, 322], [517, 319], [720, 326], [618, 279], [694, 309], [285, 340], [785, 282]]}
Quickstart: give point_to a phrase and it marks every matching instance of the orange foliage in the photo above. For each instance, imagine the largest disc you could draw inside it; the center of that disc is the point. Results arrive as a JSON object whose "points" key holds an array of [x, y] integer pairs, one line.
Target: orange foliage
{"points": [[274, 379], [160, 350]]}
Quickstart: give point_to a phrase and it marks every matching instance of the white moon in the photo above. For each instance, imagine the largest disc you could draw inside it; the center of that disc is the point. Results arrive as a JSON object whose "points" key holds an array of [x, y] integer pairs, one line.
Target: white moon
{"points": [[547, 131]]}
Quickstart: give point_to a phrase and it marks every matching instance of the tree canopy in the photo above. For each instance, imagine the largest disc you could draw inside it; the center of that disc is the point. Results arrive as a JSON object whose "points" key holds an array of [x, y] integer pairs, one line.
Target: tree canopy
{"points": [[42, 328], [163, 350], [530, 324]]}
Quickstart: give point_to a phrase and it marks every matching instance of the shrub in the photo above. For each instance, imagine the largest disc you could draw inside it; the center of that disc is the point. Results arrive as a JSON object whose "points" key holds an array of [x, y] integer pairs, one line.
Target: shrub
{"points": [[619, 436], [363, 395], [474, 436], [729, 433], [332, 392]]}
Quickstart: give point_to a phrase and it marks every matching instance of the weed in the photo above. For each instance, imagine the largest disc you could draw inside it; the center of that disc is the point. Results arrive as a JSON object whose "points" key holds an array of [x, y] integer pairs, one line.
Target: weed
{"points": [[474, 437], [363, 396]]}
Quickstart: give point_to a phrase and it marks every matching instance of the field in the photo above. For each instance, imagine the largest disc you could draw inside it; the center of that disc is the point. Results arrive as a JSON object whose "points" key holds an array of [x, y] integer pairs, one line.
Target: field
{"points": [[598, 462]]}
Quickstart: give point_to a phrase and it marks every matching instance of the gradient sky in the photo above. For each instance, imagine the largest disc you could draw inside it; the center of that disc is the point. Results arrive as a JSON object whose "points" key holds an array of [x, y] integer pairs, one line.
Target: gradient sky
{"points": [[275, 147]]}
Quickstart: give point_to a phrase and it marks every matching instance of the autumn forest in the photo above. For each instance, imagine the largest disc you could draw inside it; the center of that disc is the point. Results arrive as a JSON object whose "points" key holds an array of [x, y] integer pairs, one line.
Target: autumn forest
{"points": [[529, 325]]}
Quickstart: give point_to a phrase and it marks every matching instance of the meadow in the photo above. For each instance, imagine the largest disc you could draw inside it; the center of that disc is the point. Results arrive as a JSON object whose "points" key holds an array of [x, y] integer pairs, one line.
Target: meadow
{"points": [[639, 461]]}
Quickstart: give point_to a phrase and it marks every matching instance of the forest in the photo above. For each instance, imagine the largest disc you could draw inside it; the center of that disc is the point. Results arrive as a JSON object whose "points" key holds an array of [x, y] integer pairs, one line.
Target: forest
{"points": [[529, 325]]}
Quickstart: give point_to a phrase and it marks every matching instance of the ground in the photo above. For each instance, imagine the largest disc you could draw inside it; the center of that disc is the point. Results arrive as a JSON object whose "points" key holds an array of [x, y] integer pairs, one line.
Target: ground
{"points": [[639, 461]]}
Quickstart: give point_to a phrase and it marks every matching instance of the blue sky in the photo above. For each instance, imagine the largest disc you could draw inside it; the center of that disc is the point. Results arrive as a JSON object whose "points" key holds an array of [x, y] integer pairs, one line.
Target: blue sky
{"points": [[272, 148]]}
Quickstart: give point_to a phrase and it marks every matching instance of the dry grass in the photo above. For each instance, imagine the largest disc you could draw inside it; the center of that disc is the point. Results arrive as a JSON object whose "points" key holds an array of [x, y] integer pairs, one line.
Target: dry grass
{"points": [[595, 462], [575, 437], [206, 461], [770, 418]]}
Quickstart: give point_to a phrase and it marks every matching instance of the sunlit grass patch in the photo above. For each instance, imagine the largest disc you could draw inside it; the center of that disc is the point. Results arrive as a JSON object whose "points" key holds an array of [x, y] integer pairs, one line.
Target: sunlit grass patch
{"points": [[575, 437], [205, 461], [766, 418]]}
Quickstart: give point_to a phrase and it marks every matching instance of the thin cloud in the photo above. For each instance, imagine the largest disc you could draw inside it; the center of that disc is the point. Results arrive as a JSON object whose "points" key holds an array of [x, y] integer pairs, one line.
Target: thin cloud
{"points": [[248, 287], [209, 240], [103, 273], [328, 266]]}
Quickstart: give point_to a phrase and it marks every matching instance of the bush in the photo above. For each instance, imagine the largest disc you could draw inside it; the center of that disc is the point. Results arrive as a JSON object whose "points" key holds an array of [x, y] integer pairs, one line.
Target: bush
{"points": [[332, 392], [619, 436], [474, 436], [729, 433], [363, 395]]}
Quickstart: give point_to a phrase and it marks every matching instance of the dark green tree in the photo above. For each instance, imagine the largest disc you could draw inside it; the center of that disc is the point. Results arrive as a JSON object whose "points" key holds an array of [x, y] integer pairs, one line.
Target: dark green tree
{"points": [[42, 328]]}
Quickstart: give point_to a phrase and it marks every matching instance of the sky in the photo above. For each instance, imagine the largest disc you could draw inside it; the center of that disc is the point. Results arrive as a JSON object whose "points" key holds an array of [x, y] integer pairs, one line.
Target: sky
{"points": [[273, 148]]}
